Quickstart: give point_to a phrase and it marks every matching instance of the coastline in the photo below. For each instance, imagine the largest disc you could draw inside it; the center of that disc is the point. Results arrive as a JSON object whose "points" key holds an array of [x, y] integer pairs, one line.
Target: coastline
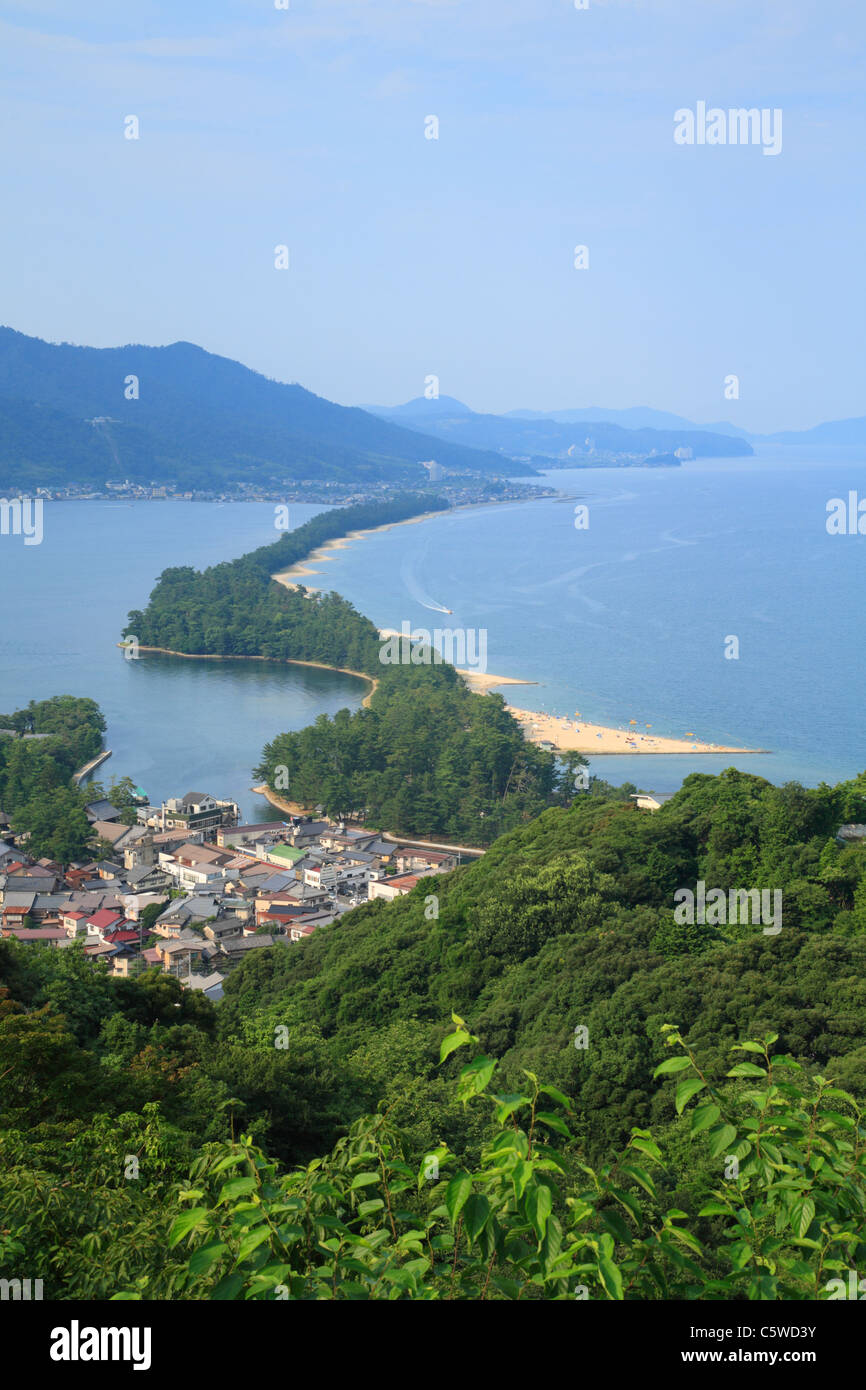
{"points": [[295, 808], [301, 568], [560, 734], [292, 808], [581, 736], [372, 681]]}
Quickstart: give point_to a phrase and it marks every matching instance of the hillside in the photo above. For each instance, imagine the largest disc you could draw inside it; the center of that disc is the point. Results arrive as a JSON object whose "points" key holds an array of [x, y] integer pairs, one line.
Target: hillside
{"points": [[200, 421], [569, 921], [444, 1180]]}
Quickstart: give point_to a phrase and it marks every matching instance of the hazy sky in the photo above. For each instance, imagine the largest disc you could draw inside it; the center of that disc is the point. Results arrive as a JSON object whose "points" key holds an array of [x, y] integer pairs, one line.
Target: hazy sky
{"points": [[410, 256]]}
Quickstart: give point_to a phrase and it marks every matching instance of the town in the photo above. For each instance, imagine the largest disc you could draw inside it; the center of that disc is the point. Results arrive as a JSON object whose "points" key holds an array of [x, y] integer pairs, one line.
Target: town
{"points": [[189, 891]]}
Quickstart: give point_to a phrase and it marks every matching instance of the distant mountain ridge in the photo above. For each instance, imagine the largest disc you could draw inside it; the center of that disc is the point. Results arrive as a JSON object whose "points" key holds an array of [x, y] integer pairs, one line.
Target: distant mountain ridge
{"points": [[838, 432], [198, 419], [562, 436], [420, 411], [635, 417]]}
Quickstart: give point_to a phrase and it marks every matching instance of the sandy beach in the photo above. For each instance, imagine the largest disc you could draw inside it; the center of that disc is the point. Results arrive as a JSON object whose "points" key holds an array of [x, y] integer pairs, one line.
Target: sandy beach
{"points": [[291, 808], [579, 736], [323, 552]]}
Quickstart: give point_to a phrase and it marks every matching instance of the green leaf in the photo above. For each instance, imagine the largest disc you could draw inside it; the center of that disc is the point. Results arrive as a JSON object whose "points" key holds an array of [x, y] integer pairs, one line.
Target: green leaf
{"points": [[610, 1277], [639, 1176], [557, 1096], [544, 1117], [201, 1260], [686, 1090], [646, 1146], [476, 1214], [506, 1105], [228, 1287], [539, 1204], [457, 1193], [721, 1139], [520, 1175], [452, 1042], [236, 1187], [251, 1242], [671, 1065], [617, 1226], [703, 1116], [186, 1222], [802, 1215], [364, 1180], [714, 1209], [475, 1077], [747, 1069], [374, 1204]]}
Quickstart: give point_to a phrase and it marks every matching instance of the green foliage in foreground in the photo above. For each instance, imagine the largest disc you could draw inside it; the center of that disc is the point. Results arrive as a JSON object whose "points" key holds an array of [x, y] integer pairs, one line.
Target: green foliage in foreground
{"points": [[564, 926], [376, 1220]]}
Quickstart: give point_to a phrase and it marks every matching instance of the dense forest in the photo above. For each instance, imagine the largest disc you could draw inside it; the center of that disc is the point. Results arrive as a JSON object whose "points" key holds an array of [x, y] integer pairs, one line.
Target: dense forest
{"points": [[427, 757], [656, 1111], [234, 609], [45, 744]]}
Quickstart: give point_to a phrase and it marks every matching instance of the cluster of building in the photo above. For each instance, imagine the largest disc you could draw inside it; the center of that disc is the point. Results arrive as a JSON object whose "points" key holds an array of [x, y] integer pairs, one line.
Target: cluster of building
{"points": [[461, 490], [222, 888]]}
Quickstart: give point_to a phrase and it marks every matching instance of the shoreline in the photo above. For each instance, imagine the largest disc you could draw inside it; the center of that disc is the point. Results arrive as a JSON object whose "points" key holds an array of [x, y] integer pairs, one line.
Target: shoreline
{"points": [[372, 681], [301, 568], [292, 808], [582, 736], [561, 734], [295, 808]]}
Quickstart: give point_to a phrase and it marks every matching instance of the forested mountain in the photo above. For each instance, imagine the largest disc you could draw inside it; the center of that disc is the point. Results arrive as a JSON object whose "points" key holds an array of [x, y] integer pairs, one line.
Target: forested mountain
{"points": [[73, 414], [575, 1162]]}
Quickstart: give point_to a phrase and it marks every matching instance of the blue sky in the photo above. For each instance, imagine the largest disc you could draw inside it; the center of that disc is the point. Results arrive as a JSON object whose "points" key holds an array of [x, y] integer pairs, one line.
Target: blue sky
{"points": [[454, 256]]}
